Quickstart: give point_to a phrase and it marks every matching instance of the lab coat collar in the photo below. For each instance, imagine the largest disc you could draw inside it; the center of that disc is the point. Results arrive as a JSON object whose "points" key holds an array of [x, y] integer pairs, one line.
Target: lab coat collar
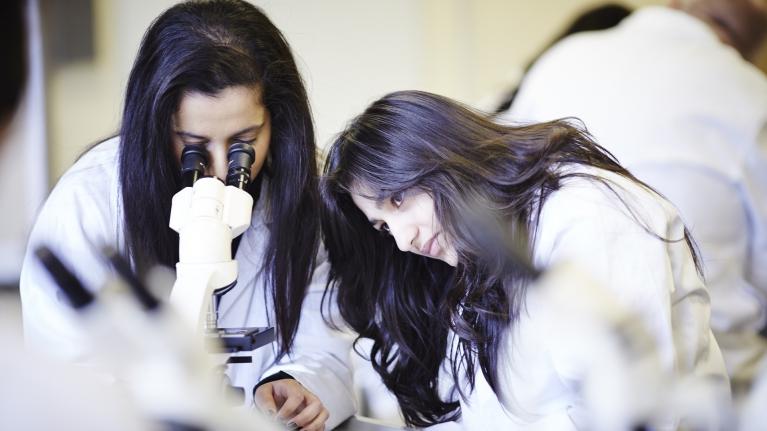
{"points": [[672, 23]]}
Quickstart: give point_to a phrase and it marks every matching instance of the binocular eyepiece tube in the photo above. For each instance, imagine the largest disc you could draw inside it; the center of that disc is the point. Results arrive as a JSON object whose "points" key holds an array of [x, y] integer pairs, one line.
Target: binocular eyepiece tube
{"points": [[241, 156], [193, 163]]}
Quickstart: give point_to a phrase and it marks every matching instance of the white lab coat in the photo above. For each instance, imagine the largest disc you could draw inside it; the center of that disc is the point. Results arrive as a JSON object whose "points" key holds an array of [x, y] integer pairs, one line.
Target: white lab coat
{"points": [[686, 114], [83, 214], [542, 363]]}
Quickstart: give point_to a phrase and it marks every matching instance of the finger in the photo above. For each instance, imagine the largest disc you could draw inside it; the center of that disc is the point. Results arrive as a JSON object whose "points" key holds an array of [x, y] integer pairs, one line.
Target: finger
{"points": [[308, 413], [294, 400], [318, 424], [264, 398]]}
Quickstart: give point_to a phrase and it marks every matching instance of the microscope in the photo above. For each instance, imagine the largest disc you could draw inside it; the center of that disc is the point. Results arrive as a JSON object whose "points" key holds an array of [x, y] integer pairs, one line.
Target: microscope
{"points": [[156, 351], [208, 215]]}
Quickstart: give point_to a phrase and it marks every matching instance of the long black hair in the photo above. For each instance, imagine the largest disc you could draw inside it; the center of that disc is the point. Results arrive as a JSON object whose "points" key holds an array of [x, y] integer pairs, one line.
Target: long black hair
{"points": [[206, 47], [408, 304]]}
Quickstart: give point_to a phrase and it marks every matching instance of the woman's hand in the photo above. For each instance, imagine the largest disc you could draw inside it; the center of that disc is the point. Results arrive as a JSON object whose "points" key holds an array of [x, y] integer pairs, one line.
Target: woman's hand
{"points": [[291, 403]]}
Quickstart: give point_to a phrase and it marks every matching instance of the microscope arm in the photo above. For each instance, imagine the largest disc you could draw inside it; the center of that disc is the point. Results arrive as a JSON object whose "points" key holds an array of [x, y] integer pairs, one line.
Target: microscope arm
{"points": [[207, 217]]}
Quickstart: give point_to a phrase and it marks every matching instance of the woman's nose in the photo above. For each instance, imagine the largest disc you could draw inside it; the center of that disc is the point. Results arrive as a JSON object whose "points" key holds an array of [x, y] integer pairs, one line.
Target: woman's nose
{"points": [[218, 162], [403, 234]]}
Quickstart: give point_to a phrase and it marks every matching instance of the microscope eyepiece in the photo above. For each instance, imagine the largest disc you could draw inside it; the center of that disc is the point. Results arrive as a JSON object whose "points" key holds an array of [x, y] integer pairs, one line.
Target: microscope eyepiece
{"points": [[193, 163], [241, 158]]}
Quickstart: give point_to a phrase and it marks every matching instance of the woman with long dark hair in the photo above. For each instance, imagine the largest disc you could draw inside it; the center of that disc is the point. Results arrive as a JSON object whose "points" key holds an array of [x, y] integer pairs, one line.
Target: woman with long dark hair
{"points": [[435, 220], [208, 74]]}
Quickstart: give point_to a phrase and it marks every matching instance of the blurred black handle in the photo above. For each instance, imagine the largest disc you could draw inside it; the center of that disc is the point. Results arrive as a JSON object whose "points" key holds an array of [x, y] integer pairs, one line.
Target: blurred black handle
{"points": [[78, 295]]}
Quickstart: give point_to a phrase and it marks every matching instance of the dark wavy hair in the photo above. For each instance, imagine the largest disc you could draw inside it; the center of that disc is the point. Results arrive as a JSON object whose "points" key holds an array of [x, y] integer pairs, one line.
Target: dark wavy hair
{"points": [[207, 46], [408, 304]]}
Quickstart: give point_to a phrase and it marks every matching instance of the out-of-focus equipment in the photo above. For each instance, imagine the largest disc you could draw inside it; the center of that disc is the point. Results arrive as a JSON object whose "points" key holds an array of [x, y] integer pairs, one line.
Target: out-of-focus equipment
{"points": [[208, 215], [149, 350], [623, 382]]}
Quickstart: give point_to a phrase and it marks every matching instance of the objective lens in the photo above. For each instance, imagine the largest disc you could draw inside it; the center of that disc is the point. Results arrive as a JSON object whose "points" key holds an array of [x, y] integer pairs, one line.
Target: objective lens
{"points": [[241, 158], [193, 162]]}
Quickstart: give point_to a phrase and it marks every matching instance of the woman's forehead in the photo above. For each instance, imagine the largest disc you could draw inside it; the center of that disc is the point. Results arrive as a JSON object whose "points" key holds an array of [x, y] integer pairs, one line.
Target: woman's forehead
{"points": [[364, 190]]}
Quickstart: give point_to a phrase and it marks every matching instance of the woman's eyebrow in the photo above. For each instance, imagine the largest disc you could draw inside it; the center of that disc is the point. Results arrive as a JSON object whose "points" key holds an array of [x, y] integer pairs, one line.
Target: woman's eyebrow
{"points": [[239, 132], [248, 130], [190, 135]]}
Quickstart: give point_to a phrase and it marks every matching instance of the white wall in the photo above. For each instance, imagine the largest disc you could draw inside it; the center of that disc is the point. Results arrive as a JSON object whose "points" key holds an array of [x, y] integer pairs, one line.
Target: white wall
{"points": [[350, 52], [353, 51]]}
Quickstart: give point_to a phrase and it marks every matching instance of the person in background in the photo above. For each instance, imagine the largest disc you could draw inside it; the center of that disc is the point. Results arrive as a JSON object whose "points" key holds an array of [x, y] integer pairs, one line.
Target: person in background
{"points": [[208, 74], [13, 74], [424, 199], [593, 19], [44, 381], [672, 94]]}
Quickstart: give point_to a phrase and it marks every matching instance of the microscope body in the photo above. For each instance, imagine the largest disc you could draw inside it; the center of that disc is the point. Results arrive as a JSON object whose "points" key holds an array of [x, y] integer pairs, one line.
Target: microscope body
{"points": [[207, 217]]}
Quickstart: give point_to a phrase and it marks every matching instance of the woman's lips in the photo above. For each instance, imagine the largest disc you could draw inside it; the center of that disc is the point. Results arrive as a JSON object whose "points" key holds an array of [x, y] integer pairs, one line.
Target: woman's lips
{"points": [[430, 248]]}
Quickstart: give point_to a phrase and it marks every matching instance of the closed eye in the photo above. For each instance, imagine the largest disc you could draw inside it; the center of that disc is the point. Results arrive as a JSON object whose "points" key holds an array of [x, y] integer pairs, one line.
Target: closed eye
{"points": [[244, 141], [397, 199], [383, 228], [192, 139]]}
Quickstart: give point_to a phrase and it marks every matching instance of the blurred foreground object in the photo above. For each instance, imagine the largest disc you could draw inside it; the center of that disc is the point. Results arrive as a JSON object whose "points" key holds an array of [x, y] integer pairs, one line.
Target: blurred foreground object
{"points": [[151, 353]]}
